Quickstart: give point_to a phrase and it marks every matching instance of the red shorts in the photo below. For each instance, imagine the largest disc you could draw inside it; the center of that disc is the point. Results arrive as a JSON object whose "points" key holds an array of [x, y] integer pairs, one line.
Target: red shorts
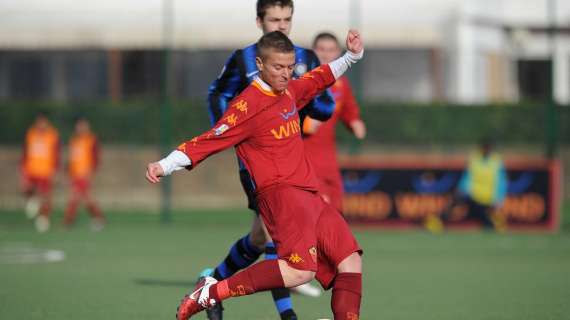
{"points": [[80, 185], [308, 233], [42, 185]]}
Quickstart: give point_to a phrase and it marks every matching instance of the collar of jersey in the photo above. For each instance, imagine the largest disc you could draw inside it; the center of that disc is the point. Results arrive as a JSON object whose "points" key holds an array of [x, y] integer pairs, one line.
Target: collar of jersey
{"points": [[264, 87]]}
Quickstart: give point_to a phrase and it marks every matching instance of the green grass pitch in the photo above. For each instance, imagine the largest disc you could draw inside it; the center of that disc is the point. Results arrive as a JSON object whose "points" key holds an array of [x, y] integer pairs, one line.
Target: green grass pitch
{"points": [[139, 269]]}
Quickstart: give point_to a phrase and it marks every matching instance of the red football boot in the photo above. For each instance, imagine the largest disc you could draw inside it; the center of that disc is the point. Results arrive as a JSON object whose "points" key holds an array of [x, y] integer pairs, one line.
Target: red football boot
{"points": [[198, 300]]}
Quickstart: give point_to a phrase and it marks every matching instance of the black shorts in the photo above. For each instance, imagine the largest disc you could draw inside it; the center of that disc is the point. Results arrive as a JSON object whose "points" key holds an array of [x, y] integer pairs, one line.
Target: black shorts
{"points": [[249, 188]]}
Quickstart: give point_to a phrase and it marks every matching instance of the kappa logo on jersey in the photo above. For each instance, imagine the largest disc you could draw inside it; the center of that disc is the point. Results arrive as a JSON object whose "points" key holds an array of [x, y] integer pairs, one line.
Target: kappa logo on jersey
{"points": [[241, 106], [295, 258], [221, 129], [286, 115], [232, 119], [286, 130]]}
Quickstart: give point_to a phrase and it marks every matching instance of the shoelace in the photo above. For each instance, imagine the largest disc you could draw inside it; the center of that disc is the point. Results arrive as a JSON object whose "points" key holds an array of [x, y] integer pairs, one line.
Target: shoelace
{"points": [[204, 298]]}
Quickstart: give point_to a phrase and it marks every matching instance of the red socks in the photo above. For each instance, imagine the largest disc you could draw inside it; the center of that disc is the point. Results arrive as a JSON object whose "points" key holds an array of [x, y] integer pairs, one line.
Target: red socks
{"points": [[262, 276], [346, 295]]}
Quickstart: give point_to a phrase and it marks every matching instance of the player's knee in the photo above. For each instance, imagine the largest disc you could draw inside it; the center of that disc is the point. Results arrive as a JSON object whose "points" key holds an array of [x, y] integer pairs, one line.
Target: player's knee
{"points": [[293, 277], [352, 263]]}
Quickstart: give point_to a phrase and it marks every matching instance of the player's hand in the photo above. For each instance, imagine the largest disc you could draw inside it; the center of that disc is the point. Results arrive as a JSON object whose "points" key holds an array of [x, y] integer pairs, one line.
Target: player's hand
{"points": [[359, 129], [154, 172], [311, 126], [354, 42]]}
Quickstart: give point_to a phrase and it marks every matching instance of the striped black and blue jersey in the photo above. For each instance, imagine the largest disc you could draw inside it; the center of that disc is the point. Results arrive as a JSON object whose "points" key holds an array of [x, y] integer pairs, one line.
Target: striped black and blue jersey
{"points": [[240, 70]]}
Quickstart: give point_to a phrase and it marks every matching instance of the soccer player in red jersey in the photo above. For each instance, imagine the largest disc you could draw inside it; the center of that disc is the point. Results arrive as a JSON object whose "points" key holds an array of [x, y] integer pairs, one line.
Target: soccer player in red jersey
{"points": [[320, 137], [83, 162], [40, 160], [239, 71], [263, 124]]}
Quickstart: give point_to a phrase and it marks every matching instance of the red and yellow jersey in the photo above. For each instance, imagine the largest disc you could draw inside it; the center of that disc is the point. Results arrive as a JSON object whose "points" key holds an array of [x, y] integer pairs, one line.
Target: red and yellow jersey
{"points": [[321, 145], [83, 155], [264, 127], [41, 153]]}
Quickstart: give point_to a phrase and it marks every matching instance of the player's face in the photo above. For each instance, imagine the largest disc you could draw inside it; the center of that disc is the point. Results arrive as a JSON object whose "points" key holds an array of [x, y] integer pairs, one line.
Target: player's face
{"points": [[276, 68], [82, 126], [327, 50], [42, 123], [276, 19]]}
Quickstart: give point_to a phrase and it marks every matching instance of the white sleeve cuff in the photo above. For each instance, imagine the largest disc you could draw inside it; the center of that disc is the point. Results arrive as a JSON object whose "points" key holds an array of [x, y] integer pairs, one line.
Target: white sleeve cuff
{"points": [[176, 160], [341, 65]]}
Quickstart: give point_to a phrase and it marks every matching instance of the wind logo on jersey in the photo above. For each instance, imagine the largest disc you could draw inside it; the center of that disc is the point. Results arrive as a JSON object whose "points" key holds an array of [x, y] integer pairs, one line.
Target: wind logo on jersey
{"points": [[286, 115], [232, 119], [221, 129], [295, 258], [287, 129], [241, 106]]}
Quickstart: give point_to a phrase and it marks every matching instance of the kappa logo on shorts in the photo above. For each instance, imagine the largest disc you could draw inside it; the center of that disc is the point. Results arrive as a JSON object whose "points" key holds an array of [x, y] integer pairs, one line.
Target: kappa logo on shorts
{"points": [[313, 253], [295, 258], [351, 316]]}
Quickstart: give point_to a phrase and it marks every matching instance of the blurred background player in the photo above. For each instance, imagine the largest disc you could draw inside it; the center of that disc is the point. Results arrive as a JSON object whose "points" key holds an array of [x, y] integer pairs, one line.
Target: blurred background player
{"points": [[83, 162], [237, 74], [320, 137], [39, 165], [481, 190]]}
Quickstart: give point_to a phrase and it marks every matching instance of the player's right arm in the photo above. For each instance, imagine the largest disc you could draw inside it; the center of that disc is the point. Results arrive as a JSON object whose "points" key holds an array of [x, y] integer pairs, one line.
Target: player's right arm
{"points": [[234, 126], [228, 85]]}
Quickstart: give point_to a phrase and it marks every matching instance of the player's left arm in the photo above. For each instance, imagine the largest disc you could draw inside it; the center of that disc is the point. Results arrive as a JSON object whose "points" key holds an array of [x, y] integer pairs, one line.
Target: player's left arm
{"points": [[350, 113], [314, 82]]}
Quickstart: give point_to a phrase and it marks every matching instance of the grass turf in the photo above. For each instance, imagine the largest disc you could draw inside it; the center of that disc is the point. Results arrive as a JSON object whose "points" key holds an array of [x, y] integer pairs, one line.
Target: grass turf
{"points": [[139, 269]]}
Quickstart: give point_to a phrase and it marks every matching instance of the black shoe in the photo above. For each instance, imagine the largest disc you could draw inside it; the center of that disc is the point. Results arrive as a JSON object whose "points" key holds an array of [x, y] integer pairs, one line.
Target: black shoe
{"points": [[288, 315], [217, 312]]}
